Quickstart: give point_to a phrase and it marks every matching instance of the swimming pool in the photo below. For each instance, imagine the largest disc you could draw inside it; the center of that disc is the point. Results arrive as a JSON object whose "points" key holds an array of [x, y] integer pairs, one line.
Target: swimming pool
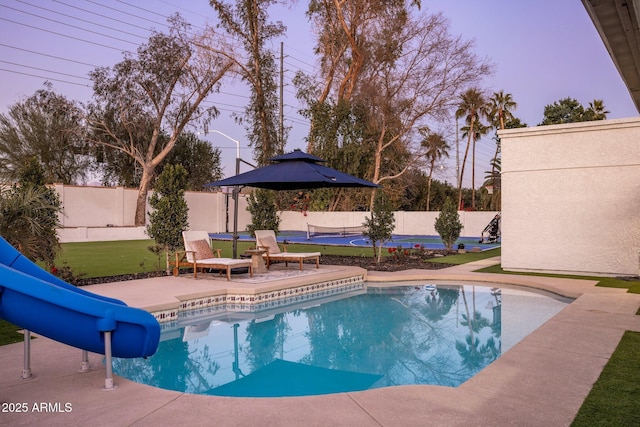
{"points": [[379, 337]]}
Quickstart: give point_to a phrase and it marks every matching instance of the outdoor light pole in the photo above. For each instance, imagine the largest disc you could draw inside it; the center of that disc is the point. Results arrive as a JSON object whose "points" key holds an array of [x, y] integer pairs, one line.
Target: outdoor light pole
{"points": [[236, 190]]}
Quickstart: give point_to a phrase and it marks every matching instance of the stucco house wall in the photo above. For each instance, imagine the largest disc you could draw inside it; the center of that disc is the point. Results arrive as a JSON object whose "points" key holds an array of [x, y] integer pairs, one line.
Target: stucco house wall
{"points": [[571, 198]]}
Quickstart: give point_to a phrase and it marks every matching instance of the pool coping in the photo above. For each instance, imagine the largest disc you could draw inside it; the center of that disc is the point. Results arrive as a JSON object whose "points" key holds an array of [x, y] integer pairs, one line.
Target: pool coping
{"points": [[540, 381]]}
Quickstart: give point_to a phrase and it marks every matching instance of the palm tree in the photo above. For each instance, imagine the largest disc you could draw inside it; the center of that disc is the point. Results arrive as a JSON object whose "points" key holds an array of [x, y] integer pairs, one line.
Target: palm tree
{"points": [[479, 131], [598, 110], [491, 178], [471, 107], [437, 148], [500, 111], [28, 217], [29, 214]]}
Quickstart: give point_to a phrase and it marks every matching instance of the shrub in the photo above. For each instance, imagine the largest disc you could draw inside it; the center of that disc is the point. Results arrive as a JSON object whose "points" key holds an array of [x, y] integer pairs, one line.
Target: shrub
{"points": [[448, 224], [379, 227], [264, 216]]}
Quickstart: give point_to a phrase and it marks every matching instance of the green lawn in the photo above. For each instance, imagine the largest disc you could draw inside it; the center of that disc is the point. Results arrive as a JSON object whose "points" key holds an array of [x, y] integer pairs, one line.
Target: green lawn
{"points": [[467, 257], [613, 400], [9, 333], [633, 286], [100, 259]]}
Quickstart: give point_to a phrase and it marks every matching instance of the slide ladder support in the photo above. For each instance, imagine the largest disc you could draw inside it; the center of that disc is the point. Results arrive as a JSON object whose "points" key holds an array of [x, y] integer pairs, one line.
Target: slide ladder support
{"points": [[108, 381], [26, 370], [84, 364]]}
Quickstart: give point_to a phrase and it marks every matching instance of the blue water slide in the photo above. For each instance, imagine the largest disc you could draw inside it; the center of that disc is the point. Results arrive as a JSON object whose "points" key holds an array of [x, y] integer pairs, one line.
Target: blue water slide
{"points": [[38, 301]]}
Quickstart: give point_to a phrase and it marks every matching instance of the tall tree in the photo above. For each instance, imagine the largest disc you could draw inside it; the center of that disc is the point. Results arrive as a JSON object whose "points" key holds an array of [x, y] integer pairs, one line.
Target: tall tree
{"points": [[48, 127], [247, 21], [472, 107], [569, 110], [481, 130], [492, 182], [403, 70], [436, 149], [197, 156], [500, 109], [500, 112], [349, 34], [199, 159], [597, 110], [161, 88]]}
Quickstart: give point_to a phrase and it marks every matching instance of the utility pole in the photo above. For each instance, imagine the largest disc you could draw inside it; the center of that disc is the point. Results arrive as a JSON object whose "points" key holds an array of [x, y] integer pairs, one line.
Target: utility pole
{"points": [[281, 130], [457, 156]]}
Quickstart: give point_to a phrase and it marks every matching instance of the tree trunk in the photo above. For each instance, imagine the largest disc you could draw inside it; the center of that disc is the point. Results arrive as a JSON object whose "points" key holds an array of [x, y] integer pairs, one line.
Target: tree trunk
{"points": [[378, 163], [143, 190], [473, 176], [166, 254], [469, 321], [466, 153], [429, 184]]}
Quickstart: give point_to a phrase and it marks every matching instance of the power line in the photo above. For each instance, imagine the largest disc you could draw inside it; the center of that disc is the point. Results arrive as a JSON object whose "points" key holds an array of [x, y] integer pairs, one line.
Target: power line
{"points": [[237, 109], [79, 19], [60, 34], [159, 14], [42, 77], [47, 55], [100, 15], [162, 24], [45, 70], [140, 8], [68, 25]]}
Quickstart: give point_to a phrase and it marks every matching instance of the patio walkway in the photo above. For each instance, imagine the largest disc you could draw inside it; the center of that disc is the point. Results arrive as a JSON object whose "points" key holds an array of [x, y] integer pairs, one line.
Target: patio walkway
{"points": [[541, 381]]}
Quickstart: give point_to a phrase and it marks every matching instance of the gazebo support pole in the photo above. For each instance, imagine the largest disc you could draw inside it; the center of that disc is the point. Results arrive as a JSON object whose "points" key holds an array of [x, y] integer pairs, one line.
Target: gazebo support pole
{"points": [[236, 194], [236, 191]]}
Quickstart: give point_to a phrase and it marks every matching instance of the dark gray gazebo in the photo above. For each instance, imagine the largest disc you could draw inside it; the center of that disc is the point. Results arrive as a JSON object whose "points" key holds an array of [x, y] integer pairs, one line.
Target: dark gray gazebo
{"points": [[292, 171]]}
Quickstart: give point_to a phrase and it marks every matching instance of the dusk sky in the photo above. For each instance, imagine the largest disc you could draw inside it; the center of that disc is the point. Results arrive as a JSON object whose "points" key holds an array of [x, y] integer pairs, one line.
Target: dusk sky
{"points": [[543, 51]]}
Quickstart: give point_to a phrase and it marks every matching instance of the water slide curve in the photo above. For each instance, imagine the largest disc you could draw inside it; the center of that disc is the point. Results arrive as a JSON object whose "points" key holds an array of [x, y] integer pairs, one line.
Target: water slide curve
{"points": [[38, 301]]}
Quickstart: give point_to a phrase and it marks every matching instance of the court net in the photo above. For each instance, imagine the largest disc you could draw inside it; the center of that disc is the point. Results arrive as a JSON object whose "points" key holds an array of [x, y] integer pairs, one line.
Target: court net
{"points": [[322, 231]]}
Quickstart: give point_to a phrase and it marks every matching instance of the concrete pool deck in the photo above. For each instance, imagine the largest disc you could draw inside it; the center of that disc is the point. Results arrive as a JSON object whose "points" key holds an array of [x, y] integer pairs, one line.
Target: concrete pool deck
{"points": [[542, 380]]}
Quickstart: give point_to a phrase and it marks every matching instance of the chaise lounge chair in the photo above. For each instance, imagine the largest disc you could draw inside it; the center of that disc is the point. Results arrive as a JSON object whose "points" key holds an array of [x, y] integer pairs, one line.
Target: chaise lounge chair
{"points": [[266, 239], [198, 255]]}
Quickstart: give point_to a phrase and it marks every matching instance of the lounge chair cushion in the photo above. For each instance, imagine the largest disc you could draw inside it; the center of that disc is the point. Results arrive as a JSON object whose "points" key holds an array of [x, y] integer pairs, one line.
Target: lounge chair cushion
{"points": [[271, 243], [202, 249]]}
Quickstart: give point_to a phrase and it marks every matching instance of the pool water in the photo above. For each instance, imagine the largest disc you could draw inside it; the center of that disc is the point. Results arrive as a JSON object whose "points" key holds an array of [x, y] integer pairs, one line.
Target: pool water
{"points": [[384, 336]]}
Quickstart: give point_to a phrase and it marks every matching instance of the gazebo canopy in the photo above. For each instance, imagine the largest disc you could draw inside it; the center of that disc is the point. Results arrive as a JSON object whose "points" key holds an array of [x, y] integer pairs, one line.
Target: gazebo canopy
{"points": [[293, 171]]}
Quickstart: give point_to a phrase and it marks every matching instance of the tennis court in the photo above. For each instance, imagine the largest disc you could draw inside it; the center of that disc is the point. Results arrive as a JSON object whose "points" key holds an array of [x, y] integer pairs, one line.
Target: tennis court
{"points": [[399, 240]]}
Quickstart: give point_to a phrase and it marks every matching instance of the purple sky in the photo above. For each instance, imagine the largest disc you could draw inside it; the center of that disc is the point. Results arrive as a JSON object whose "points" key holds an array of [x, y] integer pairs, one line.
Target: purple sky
{"points": [[542, 50]]}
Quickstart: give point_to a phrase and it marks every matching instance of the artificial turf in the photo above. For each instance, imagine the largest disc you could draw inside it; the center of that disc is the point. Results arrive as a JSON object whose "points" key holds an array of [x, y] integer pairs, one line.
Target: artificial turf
{"points": [[613, 400]]}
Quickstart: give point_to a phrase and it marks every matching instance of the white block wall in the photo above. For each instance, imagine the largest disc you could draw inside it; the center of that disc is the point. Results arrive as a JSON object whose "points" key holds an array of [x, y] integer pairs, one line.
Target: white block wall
{"points": [[103, 213]]}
